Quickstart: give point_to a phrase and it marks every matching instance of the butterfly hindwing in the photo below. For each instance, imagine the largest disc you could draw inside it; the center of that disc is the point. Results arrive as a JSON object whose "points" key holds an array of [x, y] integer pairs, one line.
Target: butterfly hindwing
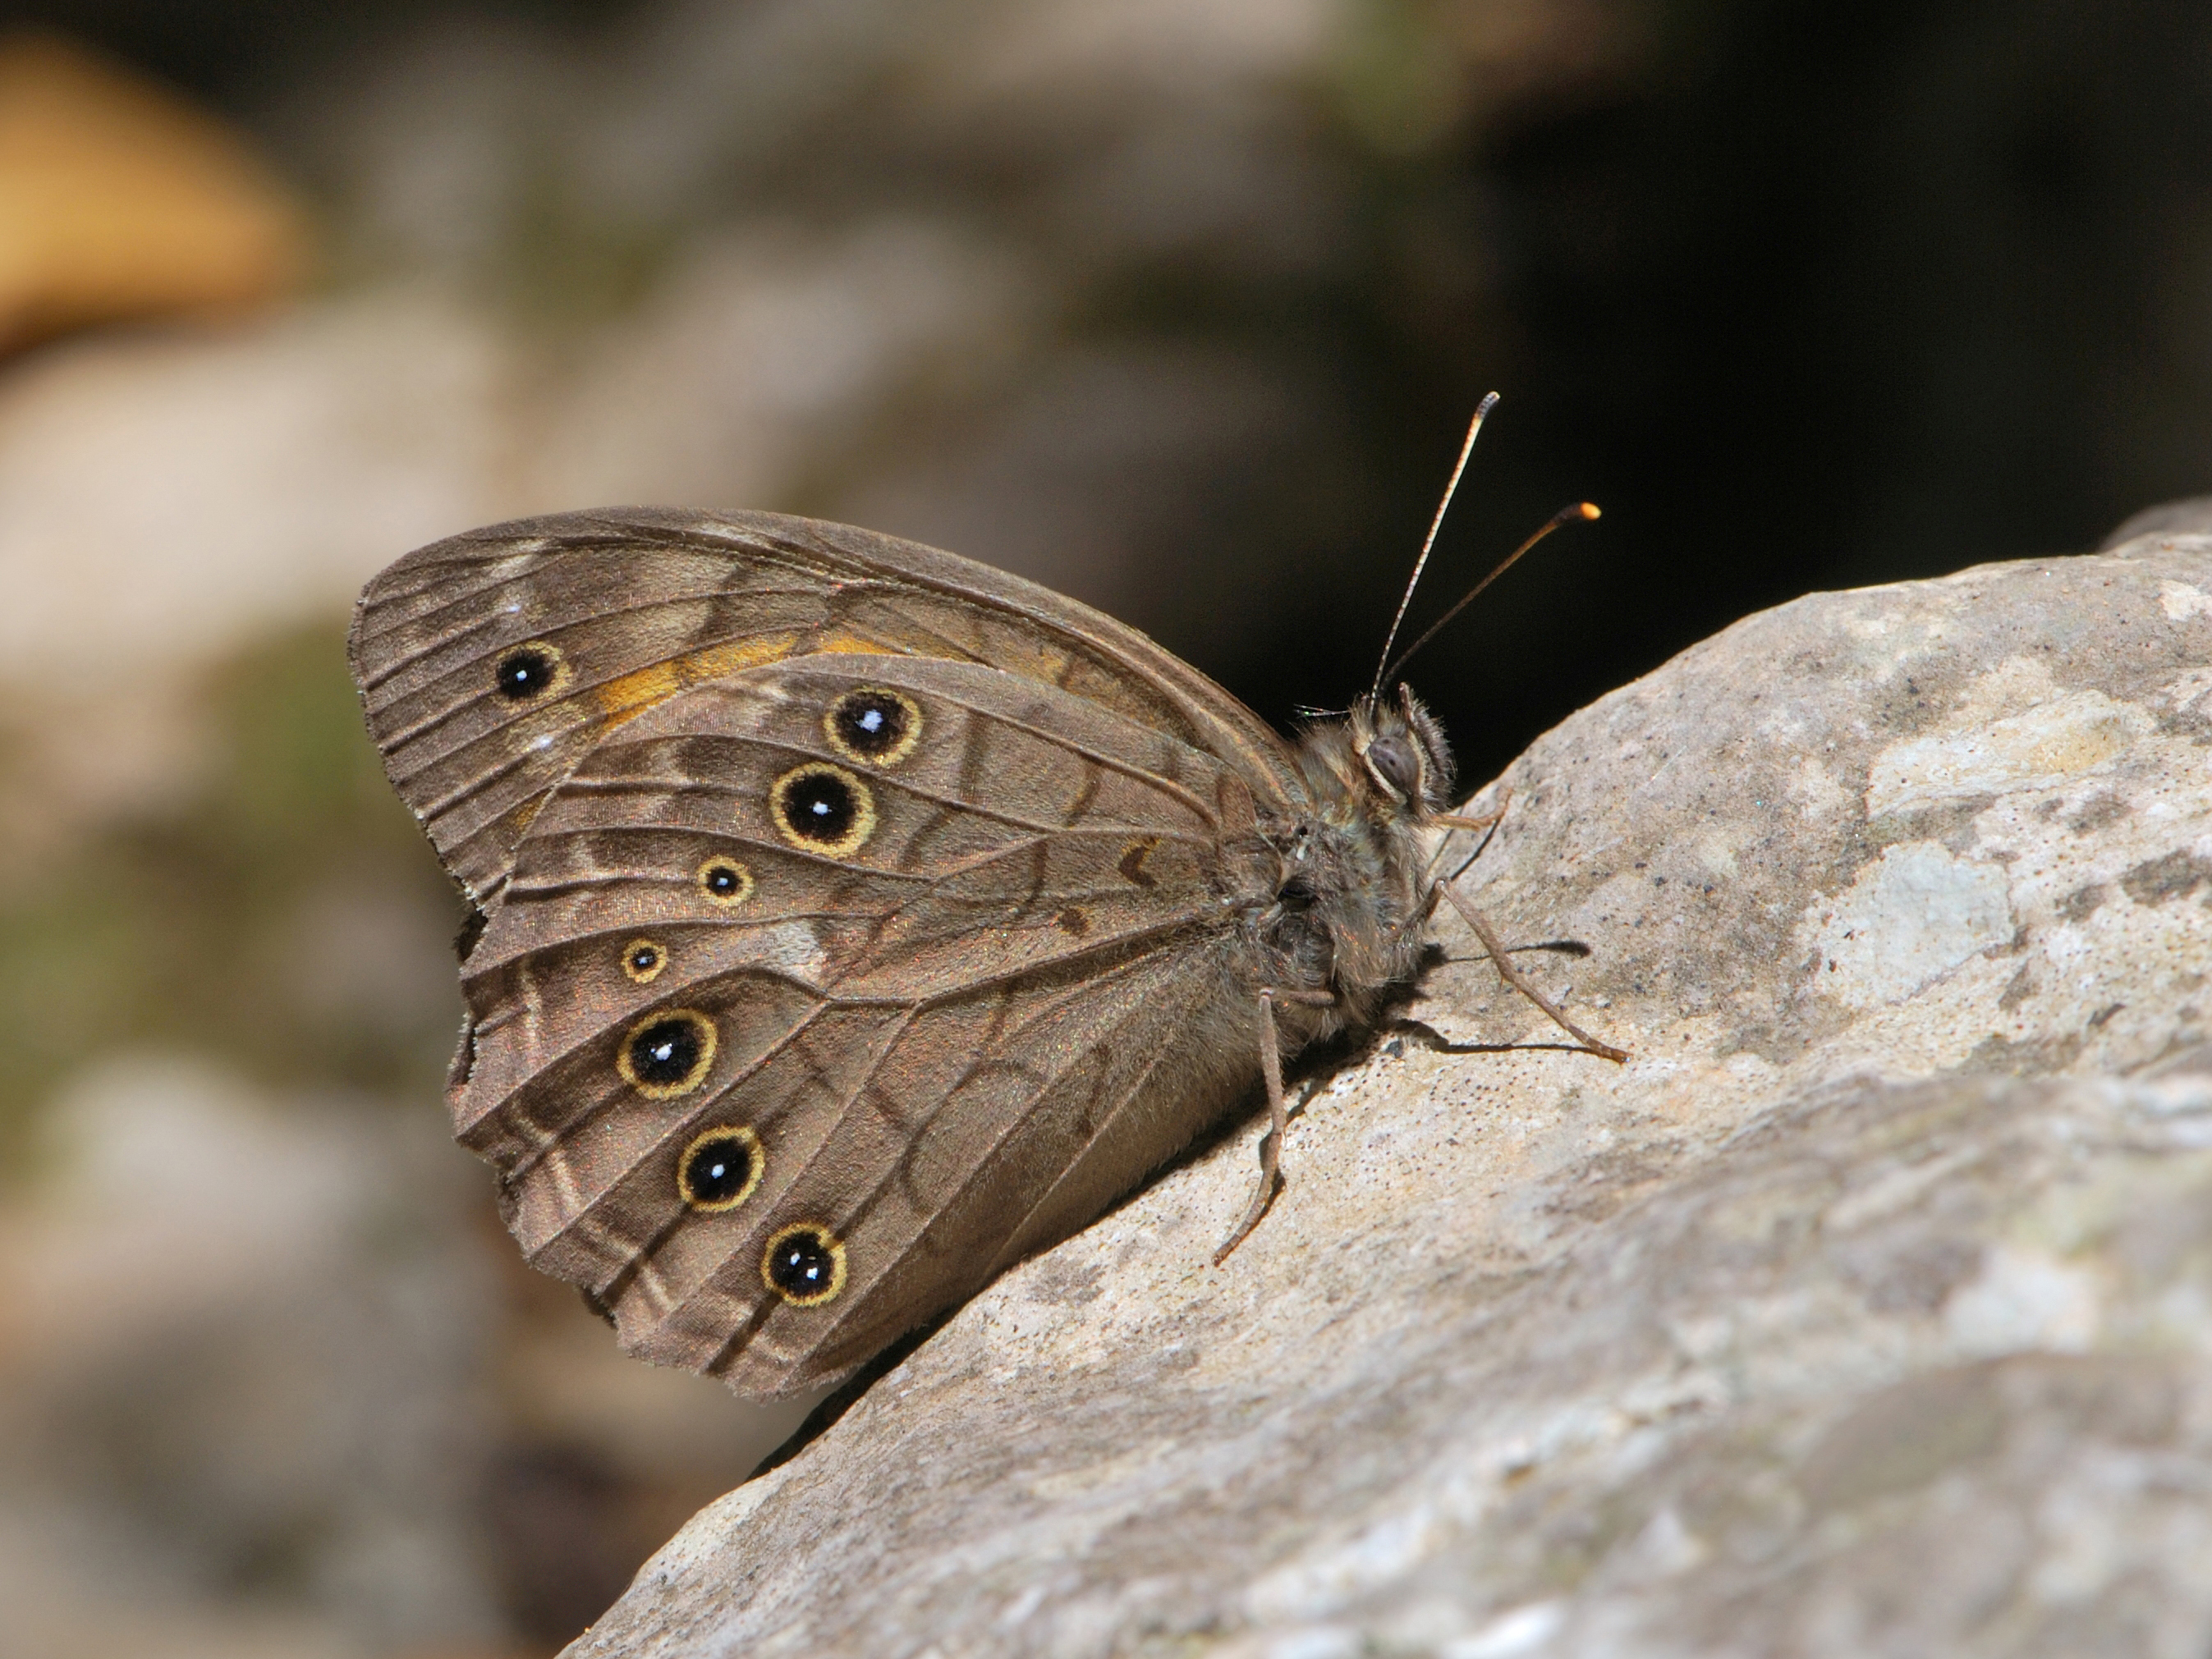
{"points": [[938, 1011]]}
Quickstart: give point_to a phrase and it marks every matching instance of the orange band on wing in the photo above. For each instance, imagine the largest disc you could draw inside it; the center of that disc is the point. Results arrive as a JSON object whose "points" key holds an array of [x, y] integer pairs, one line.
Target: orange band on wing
{"points": [[717, 661], [637, 691], [853, 645], [626, 698]]}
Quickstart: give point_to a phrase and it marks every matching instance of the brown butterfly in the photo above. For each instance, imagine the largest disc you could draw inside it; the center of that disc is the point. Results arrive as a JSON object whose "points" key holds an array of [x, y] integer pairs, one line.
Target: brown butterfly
{"points": [[852, 921]]}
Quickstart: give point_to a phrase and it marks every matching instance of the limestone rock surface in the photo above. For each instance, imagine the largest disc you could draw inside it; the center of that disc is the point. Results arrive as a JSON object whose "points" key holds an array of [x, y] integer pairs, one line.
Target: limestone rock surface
{"points": [[1866, 1311]]}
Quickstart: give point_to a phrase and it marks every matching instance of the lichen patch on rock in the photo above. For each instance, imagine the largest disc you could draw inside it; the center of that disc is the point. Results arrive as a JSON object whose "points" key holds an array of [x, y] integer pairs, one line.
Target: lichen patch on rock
{"points": [[1914, 913], [2072, 734]]}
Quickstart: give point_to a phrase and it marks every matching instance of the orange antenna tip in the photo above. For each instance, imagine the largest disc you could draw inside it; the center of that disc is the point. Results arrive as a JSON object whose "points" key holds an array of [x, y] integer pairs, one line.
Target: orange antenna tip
{"points": [[1589, 510], [1581, 510]]}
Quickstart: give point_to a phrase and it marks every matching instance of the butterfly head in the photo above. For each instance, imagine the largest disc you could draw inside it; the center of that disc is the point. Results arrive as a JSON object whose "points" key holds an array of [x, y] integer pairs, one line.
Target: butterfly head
{"points": [[1403, 752]]}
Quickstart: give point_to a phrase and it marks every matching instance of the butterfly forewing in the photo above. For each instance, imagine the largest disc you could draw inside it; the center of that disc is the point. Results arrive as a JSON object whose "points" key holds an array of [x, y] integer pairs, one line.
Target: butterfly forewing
{"points": [[968, 916], [490, 663]]}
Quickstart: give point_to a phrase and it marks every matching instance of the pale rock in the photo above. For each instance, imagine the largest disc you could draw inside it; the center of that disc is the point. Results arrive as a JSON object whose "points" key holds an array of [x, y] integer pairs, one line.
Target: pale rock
{"points": [[1866, 1309]]}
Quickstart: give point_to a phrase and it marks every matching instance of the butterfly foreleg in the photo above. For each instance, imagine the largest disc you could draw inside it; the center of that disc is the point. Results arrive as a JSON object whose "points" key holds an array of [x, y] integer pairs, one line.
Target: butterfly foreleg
{"points": [[1460, 821], [1513, 977], [1279, 1121], [1487, 823]]}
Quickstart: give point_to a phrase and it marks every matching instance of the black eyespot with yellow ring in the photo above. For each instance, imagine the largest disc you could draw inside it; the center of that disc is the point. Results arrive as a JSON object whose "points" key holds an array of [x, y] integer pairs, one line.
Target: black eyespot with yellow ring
{"points": [[873, 726], [821, 808], [642, 959], [531, 672], [720, 1170], [726, 882], [667, 1055], [805, 1264]]}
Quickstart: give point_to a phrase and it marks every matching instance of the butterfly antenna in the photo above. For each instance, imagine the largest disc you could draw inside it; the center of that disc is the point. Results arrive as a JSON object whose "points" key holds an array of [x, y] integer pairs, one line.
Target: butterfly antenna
{"points": [[1435, 525], [1579, 512]]}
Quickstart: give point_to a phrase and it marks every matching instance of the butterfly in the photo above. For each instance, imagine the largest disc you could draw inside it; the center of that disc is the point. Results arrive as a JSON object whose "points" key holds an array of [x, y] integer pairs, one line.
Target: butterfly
{"points": [[850, 921]]}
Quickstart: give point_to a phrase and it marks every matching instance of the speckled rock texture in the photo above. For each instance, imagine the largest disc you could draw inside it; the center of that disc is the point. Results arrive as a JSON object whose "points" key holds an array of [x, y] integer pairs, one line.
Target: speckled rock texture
{"points": [[1866, 1311]]}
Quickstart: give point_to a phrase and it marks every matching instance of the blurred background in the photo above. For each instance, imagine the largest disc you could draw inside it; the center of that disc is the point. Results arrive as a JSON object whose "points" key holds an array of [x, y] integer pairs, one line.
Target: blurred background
{"points": [[1179, 306]]}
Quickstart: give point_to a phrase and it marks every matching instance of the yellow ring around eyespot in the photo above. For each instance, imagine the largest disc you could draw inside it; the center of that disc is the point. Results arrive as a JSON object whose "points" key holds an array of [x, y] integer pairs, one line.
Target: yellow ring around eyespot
{"points": [[692, 1079], [863, 809], [651, 971], [890, 756], [562, 674], [836, 1263], [755, 1157], [727, 901]]}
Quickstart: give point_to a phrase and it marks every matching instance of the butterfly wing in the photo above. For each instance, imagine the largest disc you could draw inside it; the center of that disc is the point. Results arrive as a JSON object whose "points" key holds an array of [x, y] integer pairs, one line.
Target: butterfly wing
{"points": [[490, 664], [905, 967]]}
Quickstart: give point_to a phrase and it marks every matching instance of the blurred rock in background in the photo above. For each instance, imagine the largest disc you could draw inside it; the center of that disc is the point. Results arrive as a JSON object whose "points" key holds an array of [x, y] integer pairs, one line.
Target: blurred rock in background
{"points": [[1179, 308], [246, 1348]]}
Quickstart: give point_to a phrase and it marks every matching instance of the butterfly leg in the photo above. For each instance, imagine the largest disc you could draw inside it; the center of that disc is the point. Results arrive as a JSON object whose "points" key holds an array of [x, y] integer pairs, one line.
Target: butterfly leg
{"points": [[1512, 978], [1459, 820], [1278, 1120], [1487, 821]]}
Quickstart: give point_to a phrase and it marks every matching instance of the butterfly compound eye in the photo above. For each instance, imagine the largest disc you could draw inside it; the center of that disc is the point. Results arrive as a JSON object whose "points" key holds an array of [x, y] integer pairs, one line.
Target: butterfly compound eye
{"points": [[667, 1055], [720, 1170], [805, 1264], [823, 809], [872, 725], [1397, 761], [530, 671]]}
